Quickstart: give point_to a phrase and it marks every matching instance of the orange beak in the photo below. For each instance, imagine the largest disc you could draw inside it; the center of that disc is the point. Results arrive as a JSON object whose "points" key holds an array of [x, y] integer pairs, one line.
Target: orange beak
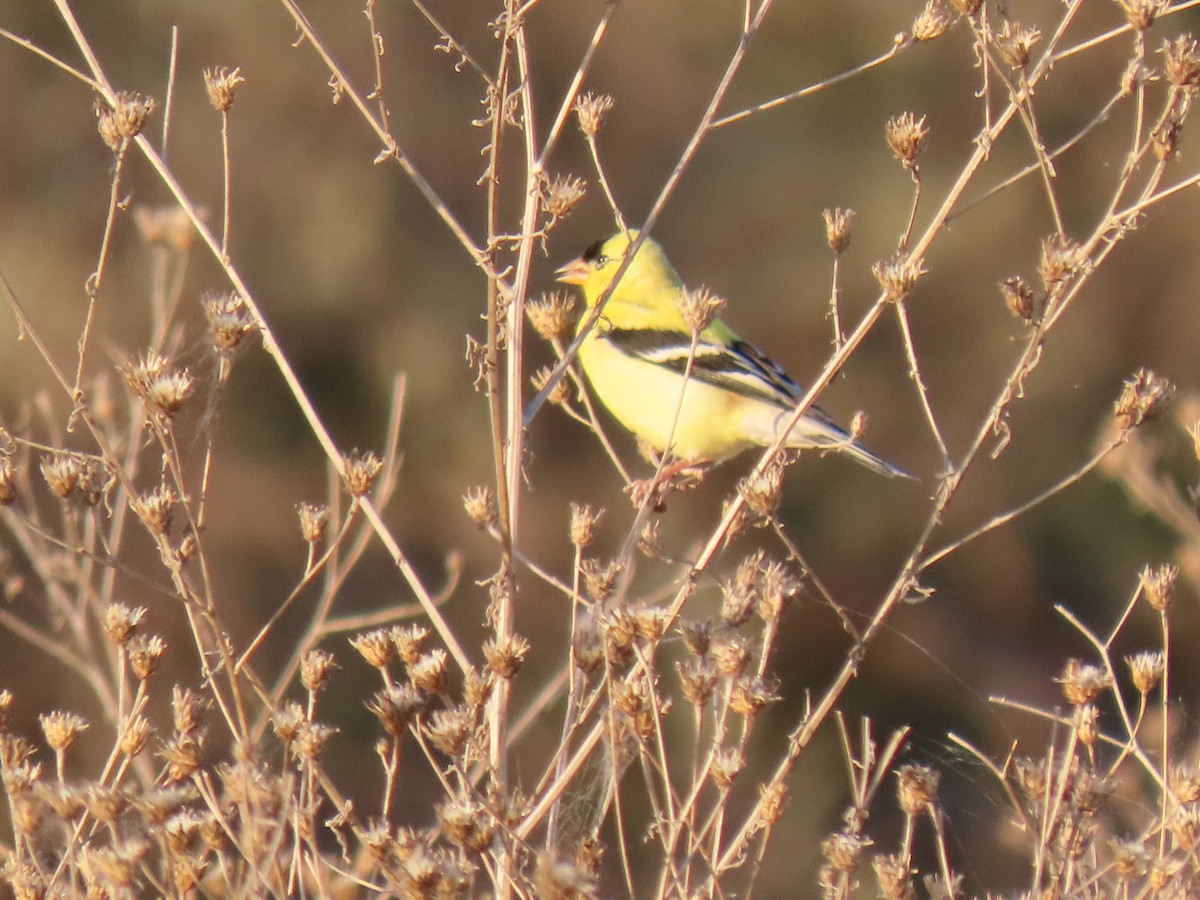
{"points": [[574, 272]]}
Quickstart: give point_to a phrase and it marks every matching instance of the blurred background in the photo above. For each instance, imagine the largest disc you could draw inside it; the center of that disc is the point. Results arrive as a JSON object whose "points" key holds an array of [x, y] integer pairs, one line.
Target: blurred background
{"points": [[362, 281]]}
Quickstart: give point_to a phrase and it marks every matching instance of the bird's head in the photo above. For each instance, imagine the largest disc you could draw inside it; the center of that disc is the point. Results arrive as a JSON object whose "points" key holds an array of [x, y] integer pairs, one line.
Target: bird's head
{"points": [[647, 273]]}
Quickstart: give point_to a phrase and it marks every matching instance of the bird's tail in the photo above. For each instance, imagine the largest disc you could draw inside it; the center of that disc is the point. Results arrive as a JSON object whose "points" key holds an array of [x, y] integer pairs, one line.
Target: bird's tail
{"points": [[819, 432]]}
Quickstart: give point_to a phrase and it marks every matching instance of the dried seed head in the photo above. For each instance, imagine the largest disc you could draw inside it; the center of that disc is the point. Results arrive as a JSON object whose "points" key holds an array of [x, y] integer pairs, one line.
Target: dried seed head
{"points": [[916, 787], [591, 110], [1185, 828], [583, 524], [221, 83], [1087, 724], [740, 595], [1158, 585], [429, 672], [313, 519], [837, 228], [123, 121], [229, 321], [61, 728], [600, 579], [144, 652], [505, 655], [552, 315], [587, 648], [649, 622], [561, 195], [396, 706], [698, 677], [843, 849], [167, 393], [287, 722], [557, 879], [1165, 139], [777, 587], [699, 307], [1143, 398], [410, 642], [120, 622], [966, 8], [375, 647], [893, 876], [361, 469], [750, 695], [450, 730], [311, 740], [1184, 782], [135, 735], [1146, 670], [559, 394], [896, 276], [1014, 43], [63, 471], [467, 825], [480, 505], [477, 687], [731, 653], [1181, 63], [1022, 301], [905, 136], [1142, 13], [154, 509], [1062, 259], [1082, 683], [166, 226], [763, 491], [8, 485], [186, 708], [315, 667], [1129, 858], [726, 766], [931, 23]]}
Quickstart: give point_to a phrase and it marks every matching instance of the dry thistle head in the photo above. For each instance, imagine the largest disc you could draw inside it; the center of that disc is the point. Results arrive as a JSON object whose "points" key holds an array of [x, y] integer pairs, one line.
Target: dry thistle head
{"points": [[583, 524], [477, 687], [916, 787], [375, 647], [361, 468], [124, 120], [229, 321], [145, 652], [64, 471], [559, 393], [931, 23], [698, 677], [165, 226], [763, 491], [410, 642], [1087, 724], [837, 228], [966, 8], [186, 708], [740, 595], [157, 384], [600, 579], [557, 879], [591, 110], [896, 276], [313, 519], [560, 195], [731, 653], [480, 505], [120, 622], [1146, 670], [61, 728], [505, 655], [396, 706], [843, 850], [315, 667], [221, 83], [1158, 585], [8, 484], [135, 735], [726, 766], [429, 672], [1141, 13], [587, 648], [699, 307], [1143, 398], [1130, 859], [1062, 259], [751, 695], [892, 876], [1014, 43], [905, 136], [450, 730], [1184, 782], [311, 740], [467, 824], [1022, 301], [552, 315], [1181, 64], [154, 509], [1083, 683], [777, 587], [696, 634]]}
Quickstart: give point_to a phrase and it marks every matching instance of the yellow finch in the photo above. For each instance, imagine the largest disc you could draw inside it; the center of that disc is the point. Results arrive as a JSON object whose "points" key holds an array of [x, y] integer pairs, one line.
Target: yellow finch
{"points": [[638, 353]]}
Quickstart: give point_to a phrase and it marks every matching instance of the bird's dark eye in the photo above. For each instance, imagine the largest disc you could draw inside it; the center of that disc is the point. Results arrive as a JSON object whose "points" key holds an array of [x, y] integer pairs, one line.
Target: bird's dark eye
{"points": [[594, 254], [601, 261]]}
